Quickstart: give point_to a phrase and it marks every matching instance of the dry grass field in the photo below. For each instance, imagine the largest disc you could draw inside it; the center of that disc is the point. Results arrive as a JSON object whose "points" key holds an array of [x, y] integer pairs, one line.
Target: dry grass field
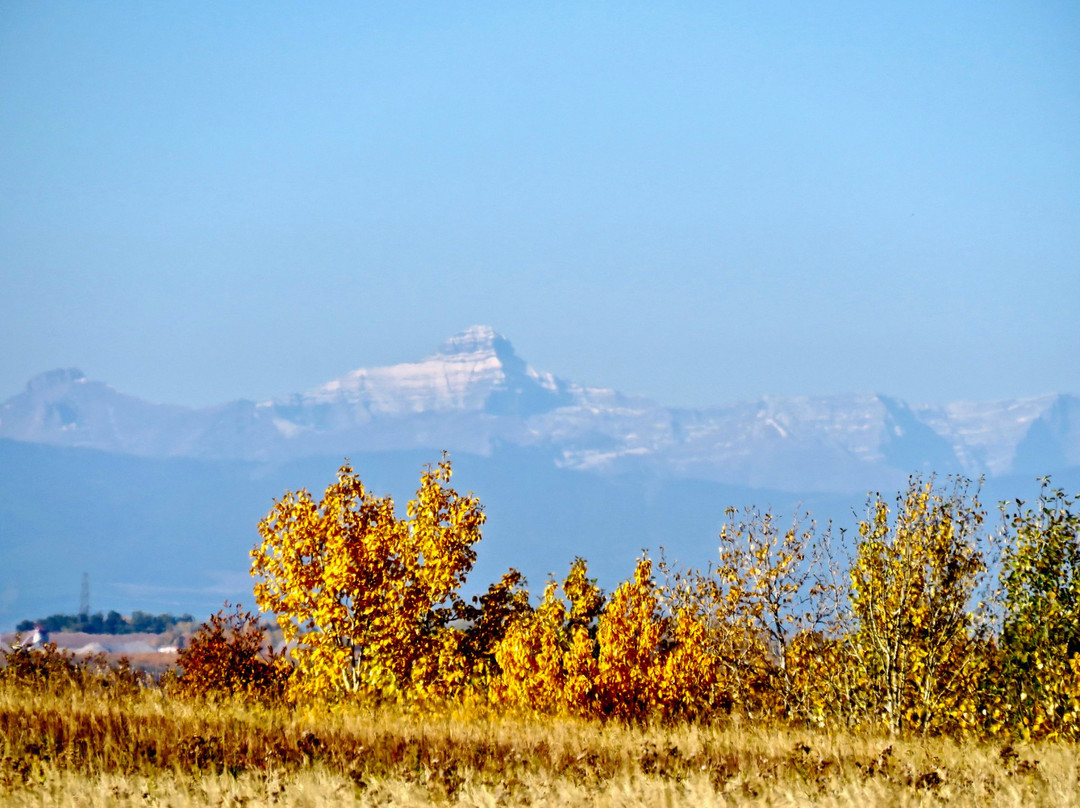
{"points": [[145, 748], [696, 689]]}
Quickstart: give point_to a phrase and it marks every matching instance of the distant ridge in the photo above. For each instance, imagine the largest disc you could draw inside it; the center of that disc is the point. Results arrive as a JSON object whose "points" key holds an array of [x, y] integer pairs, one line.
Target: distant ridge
{"points": [[474, 393]]}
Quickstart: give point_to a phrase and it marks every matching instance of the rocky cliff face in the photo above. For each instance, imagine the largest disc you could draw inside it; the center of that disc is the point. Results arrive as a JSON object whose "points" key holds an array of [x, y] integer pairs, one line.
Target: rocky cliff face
{"points": [[474, 392]]}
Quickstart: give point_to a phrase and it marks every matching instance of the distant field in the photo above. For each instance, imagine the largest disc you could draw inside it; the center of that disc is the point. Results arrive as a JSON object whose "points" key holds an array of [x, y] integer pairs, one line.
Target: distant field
{"points": [[138, 649]]}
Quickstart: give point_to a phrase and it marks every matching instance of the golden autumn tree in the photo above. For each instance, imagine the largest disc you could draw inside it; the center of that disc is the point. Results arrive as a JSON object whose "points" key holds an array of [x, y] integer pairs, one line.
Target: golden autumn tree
{"points": [[912, 583], [629, 635], [531, 658], [653, 659], [635, 656], [547, 656], [363, 595]]}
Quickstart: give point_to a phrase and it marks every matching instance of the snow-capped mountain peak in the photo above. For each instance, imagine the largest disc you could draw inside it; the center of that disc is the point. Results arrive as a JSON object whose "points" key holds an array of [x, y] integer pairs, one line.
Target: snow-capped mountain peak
{"points": [[476, 370], [478, 340]]}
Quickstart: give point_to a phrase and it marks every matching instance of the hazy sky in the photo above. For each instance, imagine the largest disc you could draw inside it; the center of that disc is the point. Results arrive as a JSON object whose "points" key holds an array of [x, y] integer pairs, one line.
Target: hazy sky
{"points": [[698, 202]]}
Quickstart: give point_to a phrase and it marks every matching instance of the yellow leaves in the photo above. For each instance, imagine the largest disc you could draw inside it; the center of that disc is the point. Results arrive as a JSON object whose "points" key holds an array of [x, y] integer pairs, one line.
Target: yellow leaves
{"points": [[1041, 631], [365, 600], [628, 636], [630, 662], [580, 672], [356, 588], [1047, 700], [585, 597], [911, 584], [531, 658]]}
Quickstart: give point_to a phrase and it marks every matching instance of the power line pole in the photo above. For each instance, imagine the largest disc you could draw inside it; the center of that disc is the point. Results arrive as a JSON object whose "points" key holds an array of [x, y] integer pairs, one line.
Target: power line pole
{"points": [[84, 596]]}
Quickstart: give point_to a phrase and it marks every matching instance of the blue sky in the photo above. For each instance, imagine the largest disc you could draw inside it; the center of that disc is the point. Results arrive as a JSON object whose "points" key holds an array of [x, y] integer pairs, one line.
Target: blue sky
{"points": [[698, 202]]}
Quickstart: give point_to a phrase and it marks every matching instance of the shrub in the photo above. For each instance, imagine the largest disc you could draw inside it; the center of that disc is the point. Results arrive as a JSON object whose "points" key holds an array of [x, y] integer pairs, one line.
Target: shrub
{"points": [[53, 670], [229, 656], [546, 665], [47, 668]]}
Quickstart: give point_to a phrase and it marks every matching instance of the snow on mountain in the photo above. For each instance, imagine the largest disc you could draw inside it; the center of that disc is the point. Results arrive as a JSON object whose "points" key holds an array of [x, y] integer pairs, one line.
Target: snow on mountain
{"points": [[474, 371], [475, 393], [793, 443], [987, 434]]}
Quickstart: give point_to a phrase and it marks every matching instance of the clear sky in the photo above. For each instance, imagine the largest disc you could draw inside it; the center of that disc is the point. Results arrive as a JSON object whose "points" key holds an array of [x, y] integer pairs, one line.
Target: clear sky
{"points": [[697, 202]]}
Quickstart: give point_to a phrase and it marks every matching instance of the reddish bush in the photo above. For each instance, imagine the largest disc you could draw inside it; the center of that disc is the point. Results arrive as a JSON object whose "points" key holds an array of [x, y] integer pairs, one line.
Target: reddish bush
{"points": [[229, 655]]}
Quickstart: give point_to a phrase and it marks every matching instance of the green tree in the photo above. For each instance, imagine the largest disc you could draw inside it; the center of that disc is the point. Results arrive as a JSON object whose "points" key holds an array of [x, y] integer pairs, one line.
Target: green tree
{"points": [[1041, 628], [114, 623]]}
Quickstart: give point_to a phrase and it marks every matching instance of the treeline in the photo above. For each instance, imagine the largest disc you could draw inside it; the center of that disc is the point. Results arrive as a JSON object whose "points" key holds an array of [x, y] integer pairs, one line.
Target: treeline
{"points": [[935, 623], [111, 623]]}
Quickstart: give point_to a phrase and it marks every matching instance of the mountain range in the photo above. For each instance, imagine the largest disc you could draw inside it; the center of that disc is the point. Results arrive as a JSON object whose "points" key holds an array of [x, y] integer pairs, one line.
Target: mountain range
{"points": [[475, 393], [158, 503]]}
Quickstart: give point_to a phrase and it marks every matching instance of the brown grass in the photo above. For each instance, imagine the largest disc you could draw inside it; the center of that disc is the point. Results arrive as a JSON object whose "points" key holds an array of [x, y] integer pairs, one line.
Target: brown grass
{"points": [[94, 749]]}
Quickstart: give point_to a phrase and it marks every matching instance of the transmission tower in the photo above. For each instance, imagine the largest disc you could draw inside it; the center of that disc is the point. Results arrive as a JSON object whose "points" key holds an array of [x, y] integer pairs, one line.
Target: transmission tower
{"points": [[84, 596]]}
